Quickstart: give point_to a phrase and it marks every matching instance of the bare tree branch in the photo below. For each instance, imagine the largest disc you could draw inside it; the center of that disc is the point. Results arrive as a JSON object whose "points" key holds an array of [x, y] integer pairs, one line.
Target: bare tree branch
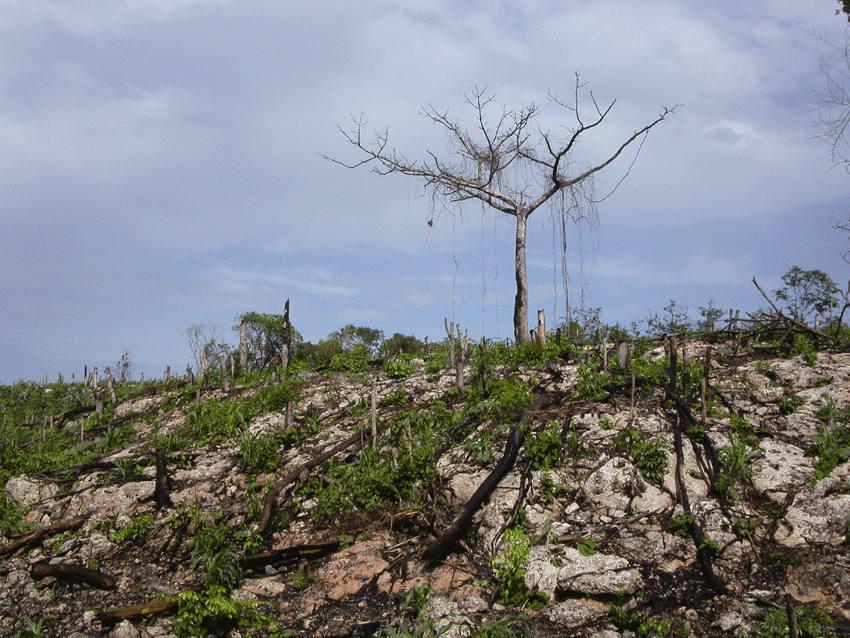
{"points": [[500, 165]]}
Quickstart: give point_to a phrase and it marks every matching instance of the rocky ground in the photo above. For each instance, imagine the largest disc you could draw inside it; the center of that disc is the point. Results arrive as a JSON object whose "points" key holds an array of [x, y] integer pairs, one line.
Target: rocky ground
{"points": [[611, 549]]}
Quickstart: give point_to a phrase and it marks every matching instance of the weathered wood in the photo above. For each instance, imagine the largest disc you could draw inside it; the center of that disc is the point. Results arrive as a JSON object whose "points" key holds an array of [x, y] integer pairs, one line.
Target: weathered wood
{"points": [[792, 616], [623, 355], [38, 535], [294, 552], [74, 573], [154, 607], [450, 330], [161, 491], [286, 348], [243, 347], [442, 545], [541, 327]]}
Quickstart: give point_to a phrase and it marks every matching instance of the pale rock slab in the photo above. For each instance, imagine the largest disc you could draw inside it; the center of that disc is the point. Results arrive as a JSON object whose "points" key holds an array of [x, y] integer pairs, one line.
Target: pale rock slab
{"points": [[619, 487], [782, 469], [575, 612], [593, 575], [27, 490], [815, 521]]}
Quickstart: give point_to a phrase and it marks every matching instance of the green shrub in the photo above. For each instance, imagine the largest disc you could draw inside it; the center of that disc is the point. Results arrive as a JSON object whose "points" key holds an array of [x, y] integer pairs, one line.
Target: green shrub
{"points": [[137, 530], [201, 613], [587, 547], [11, 514], [801, 347], [258, 452], [510, 398], [214, 420], [649, 456], [591, 385], [213, 552], [545, 449], [398, 368], [680, 524], [397, 398], [275, 397], [510, 567], [379, 477], [736, 465], [832, 442], [354, 361], [812, 622], [479, 449]]}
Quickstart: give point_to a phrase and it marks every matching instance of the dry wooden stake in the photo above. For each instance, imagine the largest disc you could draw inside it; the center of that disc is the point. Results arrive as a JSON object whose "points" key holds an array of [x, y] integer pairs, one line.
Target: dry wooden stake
{"points": [[374, 410]]}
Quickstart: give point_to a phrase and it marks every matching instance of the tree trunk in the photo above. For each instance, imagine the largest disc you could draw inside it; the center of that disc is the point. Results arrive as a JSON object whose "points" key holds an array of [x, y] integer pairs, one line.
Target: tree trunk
{"points": [[521, 302]]}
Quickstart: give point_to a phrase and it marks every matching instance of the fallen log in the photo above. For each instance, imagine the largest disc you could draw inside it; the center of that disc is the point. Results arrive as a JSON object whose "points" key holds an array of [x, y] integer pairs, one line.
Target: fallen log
{"points": [[305, 552], [37, 535], [154, 607], [442, 545], [74, 573]]}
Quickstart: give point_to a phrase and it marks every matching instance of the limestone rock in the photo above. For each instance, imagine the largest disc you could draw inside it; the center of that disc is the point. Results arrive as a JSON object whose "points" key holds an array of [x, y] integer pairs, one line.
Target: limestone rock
{"points": [[598, 574], [816, 521], [27, 490]]}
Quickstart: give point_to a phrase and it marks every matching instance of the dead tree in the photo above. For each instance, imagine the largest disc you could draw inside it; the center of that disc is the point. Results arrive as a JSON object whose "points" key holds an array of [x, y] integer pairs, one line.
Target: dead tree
{"points": [[512, 167]]}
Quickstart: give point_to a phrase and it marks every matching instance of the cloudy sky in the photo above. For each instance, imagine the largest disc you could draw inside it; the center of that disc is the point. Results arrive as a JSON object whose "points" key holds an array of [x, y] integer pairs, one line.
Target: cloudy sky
{"points": [[161, 166]]}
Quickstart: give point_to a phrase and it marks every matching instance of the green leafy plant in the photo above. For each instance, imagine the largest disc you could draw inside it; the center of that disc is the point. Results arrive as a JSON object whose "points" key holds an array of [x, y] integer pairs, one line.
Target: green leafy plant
{"points": [[781, 561], [681, 523], [199, 613], [276, 396], [397, 398], [591, 385], [171, 442], [648, 455], [812, 622], [575, 447], [302, 578], [510, 398], [397, 368], [136, 531], [479, 449], [354, 361], [510, 567], [736, 465], [790, 403], [545, 449], [503, 627], [832, 442], [33, 629], [213, 552], [378, 478], [126, 467], [801, 347], [11, 515], [415, 600], [587, 547], [258, 452], [214, 420]]}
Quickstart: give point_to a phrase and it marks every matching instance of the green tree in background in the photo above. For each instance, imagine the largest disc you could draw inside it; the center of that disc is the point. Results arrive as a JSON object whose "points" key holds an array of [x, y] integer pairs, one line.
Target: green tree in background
{"points": [[266, 334], [807, 291]]}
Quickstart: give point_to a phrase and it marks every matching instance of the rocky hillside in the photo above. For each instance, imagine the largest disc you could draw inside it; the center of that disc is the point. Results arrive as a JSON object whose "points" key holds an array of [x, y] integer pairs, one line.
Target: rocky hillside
{"points": [[548, 496]]}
